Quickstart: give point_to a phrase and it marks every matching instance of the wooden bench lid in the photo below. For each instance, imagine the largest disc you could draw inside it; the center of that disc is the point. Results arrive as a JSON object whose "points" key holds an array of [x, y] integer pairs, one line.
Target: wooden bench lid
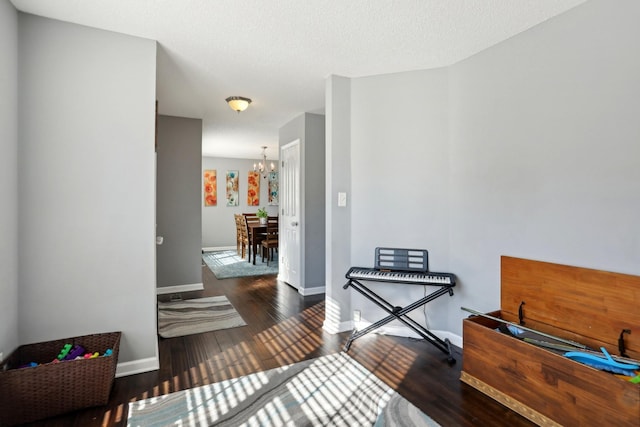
{"points": [[585, 305]]}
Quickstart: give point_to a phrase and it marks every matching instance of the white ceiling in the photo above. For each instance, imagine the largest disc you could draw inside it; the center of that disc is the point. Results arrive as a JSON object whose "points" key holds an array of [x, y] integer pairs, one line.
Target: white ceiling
{"points": [[279, 52]]}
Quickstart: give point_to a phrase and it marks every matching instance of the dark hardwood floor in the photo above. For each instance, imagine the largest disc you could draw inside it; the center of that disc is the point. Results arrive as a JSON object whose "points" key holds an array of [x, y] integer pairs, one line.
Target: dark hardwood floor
{"points": [[284, 328]]}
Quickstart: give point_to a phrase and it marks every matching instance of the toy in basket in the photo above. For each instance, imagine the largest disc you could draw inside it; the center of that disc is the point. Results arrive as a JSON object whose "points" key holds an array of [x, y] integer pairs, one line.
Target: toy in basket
{"points": [[56, 386]]}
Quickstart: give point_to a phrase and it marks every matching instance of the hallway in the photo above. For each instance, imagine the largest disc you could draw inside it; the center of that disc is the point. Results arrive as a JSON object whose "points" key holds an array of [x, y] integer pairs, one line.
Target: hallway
{"points": [[284, 328]]}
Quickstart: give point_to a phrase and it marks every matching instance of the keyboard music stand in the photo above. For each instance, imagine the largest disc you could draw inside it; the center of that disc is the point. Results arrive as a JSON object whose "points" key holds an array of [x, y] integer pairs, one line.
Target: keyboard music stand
{"points": [[401, 313]]}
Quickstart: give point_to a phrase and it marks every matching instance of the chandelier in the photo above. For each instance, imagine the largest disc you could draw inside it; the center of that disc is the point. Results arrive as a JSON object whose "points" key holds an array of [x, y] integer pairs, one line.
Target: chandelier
{"points": [[262, 166]]}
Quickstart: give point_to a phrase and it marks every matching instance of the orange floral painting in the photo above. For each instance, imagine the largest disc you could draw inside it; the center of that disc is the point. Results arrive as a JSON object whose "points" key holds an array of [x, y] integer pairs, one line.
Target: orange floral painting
{"points": [[210, 188], [253, 193]]}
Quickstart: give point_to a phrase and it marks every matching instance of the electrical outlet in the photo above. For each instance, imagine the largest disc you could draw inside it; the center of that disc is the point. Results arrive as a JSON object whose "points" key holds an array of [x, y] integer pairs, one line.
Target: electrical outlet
{"points": [[356, 315]]}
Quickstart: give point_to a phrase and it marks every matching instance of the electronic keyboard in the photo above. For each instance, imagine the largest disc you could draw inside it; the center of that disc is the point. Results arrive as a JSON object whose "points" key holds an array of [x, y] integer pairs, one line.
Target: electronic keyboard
{"points": [[409, 277]]}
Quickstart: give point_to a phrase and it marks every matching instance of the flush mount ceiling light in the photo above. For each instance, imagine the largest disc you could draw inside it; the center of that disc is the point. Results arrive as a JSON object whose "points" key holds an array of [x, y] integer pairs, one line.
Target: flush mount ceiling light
{"points": [[238, 103]]}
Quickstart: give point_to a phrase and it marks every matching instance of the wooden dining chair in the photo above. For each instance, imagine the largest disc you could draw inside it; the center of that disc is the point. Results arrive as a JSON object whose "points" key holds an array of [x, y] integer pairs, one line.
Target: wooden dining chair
{"points": [[252, 218], [241, 240], [270, 242]]}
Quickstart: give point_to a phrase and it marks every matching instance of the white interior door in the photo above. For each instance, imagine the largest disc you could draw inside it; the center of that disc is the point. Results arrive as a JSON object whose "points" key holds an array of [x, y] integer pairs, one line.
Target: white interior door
{"points": [[289, 252]]}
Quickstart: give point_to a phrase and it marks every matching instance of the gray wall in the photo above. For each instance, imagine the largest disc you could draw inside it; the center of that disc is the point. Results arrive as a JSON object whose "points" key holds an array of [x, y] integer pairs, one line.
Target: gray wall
{"points": [[338, 219], [8, 178], [86, 186], [178, 197], [218, 224], [545, 150], [313, 147], [528, 149], [399, 177], [310, 129]]}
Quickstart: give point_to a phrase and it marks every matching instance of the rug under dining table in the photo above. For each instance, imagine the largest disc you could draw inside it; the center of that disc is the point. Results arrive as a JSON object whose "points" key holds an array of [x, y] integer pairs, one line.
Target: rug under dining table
{"points": [[228, 264]]}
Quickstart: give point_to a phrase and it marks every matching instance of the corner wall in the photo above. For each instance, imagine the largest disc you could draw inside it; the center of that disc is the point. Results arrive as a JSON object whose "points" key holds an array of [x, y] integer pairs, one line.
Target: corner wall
{"points": [[338, 218], [313, 148], [178, 197], [310, 129], [87, 186], [545, 151], [8, 178], [529, 149], [400, 181]]}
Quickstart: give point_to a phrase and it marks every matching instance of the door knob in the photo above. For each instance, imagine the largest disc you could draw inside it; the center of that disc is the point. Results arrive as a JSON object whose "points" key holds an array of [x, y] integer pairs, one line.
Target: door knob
{"points": [[294, 224]]}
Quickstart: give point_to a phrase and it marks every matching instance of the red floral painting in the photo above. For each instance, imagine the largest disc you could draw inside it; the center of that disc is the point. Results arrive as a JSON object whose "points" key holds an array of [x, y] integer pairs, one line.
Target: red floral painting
{"points": [[210, 188], [253, 193]]}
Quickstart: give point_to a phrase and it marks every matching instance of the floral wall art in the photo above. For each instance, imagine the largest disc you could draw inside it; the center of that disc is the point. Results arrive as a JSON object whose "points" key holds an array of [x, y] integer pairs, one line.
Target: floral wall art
{"points": [[253, 192], [210, 183], [273, 188], [232, 188]]}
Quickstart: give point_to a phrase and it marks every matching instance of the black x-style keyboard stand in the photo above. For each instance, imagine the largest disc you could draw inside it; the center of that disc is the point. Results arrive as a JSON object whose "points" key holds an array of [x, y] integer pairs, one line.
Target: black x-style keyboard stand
{"points": [[400, 313]]}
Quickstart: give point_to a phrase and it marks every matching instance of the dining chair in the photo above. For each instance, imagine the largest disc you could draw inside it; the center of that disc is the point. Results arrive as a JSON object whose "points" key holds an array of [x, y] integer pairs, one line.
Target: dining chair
{"points": [[241, 244], [270, 242], [253, 241]]}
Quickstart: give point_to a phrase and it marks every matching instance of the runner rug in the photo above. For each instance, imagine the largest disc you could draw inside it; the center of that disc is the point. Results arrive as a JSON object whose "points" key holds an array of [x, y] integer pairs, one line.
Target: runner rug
{"points": [[331, 390], [194, 316], [227, 264]]}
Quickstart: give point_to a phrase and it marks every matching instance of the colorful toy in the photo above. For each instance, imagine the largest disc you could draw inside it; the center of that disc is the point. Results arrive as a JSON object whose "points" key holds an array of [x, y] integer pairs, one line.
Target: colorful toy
{"points": [[76, 351], [29, 365], [91, 356], [603, 364], [109, 352], [65, 350]]}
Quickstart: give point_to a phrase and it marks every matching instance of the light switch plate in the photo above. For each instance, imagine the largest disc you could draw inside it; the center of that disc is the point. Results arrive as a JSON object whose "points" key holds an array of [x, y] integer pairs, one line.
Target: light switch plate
{"points": [[342, 199]]}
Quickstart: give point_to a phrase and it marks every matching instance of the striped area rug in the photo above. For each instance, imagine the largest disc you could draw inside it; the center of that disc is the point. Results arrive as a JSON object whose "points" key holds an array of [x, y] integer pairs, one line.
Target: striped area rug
{"points": [[332, 390], [194, 316]]}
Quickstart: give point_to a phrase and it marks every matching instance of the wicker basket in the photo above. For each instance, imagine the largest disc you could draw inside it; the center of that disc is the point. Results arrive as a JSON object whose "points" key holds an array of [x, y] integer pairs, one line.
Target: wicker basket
{"points": [[49, 389]]}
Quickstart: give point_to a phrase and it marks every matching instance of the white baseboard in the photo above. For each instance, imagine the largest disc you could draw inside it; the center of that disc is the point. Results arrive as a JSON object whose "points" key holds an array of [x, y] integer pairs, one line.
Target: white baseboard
{"points": [[179, 288], [337, 327], [311, 291], [137, 367], [219, 248], [403, 331]]}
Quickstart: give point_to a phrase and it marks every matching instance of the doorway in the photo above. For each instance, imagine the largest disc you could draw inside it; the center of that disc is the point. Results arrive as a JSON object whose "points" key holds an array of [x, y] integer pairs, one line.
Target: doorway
{"points": [[290, 250]]}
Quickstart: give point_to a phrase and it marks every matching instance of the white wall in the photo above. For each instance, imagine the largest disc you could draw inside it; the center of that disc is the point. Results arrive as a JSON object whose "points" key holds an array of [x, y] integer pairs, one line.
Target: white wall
{"points": [[399, 173], [218, 224], [545, 149], [8, 178], [528, 149], [338, 312], [86, 185]]}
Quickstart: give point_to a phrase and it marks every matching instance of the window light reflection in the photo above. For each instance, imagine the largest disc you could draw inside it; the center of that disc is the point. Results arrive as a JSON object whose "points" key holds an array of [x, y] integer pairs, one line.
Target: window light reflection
{"points": [[231, 383]]}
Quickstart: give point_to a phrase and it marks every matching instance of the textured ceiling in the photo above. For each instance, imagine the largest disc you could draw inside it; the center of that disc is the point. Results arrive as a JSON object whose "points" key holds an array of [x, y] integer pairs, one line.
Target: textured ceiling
{"points": [[279, 52]]}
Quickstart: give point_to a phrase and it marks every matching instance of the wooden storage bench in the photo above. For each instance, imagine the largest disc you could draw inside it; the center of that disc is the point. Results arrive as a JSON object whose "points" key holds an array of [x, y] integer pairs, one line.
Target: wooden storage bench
{"points": [[589, 306], [49, 389]]}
